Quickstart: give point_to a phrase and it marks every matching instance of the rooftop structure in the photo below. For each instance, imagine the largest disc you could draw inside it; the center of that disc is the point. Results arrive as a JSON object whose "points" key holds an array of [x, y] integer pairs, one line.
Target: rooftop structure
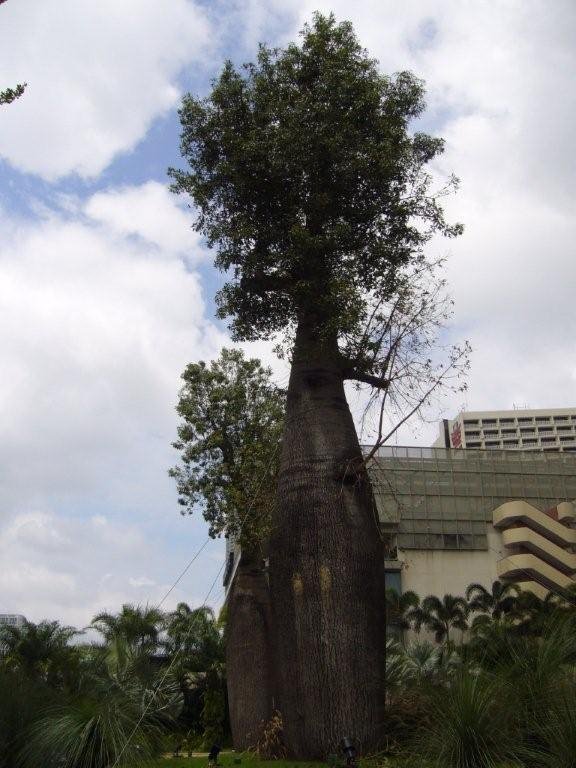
{"points": [[550, 430]]}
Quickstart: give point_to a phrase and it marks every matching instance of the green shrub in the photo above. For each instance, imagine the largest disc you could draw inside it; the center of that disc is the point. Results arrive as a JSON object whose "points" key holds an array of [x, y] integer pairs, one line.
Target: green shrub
{"points": [[472, 724]]}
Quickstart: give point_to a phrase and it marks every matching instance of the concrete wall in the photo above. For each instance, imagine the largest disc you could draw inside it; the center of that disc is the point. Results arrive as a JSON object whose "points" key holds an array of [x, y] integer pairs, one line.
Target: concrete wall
{"points": [[445, 571]]}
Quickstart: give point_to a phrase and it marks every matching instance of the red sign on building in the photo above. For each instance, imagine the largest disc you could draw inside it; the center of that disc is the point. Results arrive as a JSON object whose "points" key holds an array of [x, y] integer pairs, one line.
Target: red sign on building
{"points": [[456, 436]]}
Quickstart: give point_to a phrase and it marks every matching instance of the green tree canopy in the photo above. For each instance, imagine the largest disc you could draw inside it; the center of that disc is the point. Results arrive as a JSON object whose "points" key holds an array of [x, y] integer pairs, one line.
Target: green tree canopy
{"points": [[440, 615], [9, 95], [40, 651], [309, 183], [232, 417], [136, 625], [501, 599]]}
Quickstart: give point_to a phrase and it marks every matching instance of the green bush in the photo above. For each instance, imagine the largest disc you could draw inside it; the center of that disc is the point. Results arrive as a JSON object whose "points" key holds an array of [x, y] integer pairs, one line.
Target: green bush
{"points": [[472, 724]]}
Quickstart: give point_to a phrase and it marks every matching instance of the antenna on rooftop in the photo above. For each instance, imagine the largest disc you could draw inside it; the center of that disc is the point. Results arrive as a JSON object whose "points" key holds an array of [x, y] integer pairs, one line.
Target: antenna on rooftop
{"points": [[520, 407]]}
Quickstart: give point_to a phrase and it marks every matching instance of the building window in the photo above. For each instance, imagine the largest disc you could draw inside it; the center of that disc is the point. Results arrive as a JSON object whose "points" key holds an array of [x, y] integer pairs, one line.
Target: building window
{"points": [[542, 419], [393, 581], [490, 432], [506, 421], [525, 420], [474, 445], [510, 442], [548, 439], [471, 422], [508, 431], [488, 421], [528, 441], [566, 439], [545, 429], [564, 429], [492, 443], [560, 418], [475, 433]]}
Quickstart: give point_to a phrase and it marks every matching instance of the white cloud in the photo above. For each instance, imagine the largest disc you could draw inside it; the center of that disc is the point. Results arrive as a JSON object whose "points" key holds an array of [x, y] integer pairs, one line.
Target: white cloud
{"points": [[98, 74], [141, 581], [97, 326], [149, 211], [71, 581], [499, 81]]}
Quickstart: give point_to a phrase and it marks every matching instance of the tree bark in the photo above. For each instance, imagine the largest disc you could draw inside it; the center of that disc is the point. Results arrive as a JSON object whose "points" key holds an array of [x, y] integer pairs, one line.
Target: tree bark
{"points": [[326, 566], [248, 658]]}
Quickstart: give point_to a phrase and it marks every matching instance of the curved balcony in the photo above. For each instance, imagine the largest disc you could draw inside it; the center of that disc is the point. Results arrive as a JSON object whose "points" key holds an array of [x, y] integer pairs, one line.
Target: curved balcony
{"points": [[566, 511], [529, 567], [541, 547], [534, 587], [514, 512]]}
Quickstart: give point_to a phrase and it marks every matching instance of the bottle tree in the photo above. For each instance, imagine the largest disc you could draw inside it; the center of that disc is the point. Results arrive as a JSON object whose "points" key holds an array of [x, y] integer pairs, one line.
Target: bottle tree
{"points": [[313, 192]]}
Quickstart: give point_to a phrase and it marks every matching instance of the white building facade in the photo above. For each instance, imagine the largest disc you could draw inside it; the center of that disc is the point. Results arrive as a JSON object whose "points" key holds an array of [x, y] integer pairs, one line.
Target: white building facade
{"points": [[12, 620], [551, 430], [454, 517]]}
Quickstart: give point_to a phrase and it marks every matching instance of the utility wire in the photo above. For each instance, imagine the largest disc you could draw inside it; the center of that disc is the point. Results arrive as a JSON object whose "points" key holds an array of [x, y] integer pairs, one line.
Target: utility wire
{"points": [[185, 571], [179, 650]]}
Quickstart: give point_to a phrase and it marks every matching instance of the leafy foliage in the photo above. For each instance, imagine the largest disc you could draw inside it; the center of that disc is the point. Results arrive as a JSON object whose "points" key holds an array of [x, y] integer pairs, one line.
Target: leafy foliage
{"points": [[498, 602], [22, 701], [442, 615], [401, 608], [473, 724], [92, 706], [39, 651], [119, 716], [270, 743], [232, 417], [310, 185], [9, 95], [137, 626]]}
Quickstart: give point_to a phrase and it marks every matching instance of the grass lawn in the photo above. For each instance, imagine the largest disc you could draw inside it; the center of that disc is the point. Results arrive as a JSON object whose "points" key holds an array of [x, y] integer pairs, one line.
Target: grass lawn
{"points": [[230, 760]]}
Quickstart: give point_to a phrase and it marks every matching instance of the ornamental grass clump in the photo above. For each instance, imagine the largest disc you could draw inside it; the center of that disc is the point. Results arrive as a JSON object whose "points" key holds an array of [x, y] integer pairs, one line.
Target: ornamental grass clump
{"points": [[472, 724]]}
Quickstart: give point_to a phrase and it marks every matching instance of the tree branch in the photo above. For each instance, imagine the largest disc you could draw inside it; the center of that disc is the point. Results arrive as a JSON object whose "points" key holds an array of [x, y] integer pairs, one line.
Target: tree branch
{"points": [[366, 378]]}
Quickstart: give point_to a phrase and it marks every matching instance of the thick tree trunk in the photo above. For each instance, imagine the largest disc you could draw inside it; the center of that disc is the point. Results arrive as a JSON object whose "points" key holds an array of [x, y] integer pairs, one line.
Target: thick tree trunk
{"points": [[326, 567], [248, 659]]}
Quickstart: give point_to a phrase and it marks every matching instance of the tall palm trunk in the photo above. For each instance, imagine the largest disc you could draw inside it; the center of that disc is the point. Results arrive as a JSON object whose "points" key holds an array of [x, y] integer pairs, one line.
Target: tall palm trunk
{"points": [[248, 662], [326, 566]]}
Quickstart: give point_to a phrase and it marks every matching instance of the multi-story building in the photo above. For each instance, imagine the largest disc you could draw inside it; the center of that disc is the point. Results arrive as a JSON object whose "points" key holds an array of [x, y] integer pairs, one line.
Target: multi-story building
{"points": [[453, 517], [529, 430], [12, 619]]}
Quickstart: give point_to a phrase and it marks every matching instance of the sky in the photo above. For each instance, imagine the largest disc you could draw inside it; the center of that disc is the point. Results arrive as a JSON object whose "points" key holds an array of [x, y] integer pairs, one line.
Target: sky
{"points": [[106, 292]]}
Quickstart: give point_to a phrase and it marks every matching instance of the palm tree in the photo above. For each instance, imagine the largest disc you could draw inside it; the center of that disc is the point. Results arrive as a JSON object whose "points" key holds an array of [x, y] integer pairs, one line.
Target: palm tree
{"points": [[139, 626], [400, 608], [119, 716], [195, 641], [441, 615], [39, 651], [500, 601], [533, 614]]}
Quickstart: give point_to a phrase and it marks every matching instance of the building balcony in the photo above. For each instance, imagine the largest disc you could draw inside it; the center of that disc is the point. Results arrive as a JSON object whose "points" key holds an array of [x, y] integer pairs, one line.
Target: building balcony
{"points": [[531, 568], [513, 512], [552, 554]]}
